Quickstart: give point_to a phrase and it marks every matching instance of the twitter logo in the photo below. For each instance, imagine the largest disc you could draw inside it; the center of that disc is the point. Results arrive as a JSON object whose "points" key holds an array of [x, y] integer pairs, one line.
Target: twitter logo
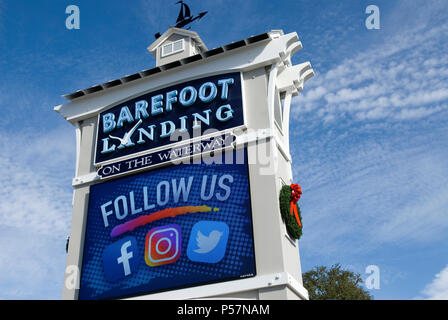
{"points": [[208, 241]]}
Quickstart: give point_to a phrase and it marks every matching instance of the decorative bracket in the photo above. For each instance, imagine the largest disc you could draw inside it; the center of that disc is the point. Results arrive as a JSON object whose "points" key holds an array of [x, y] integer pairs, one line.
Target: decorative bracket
{"points": [[288, 79]]}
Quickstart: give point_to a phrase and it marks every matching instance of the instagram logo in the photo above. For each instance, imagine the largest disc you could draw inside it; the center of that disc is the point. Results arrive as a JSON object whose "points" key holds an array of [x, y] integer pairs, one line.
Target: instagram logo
{"points": [[162, 245]]}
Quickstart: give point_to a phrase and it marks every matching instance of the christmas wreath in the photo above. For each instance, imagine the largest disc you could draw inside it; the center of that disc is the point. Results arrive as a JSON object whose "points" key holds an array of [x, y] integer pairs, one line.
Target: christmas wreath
{"points": [[290, 211]]}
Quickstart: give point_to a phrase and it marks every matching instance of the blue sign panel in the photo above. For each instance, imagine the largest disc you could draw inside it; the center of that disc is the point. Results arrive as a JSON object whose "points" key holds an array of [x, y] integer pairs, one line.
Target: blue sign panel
{"points": [[180, 226], [188, 109]]}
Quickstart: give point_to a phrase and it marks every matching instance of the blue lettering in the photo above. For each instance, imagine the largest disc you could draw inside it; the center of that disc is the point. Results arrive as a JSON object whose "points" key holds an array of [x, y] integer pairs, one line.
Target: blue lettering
{"points": [[108, 122], [204, 187], [224, 113], [211, 95], [181, 189], [106, 148], [149, 135], [225, 87], [225, 187], [205, 120], [125, 115], [183, 124], [166, 133], [161, 202], [183, 96], [171, 97], [140, 109], [156, 104]]}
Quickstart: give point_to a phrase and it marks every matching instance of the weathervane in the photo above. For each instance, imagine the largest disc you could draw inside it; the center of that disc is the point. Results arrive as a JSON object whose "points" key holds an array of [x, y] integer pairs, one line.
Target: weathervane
{"points": [[184, 18]]}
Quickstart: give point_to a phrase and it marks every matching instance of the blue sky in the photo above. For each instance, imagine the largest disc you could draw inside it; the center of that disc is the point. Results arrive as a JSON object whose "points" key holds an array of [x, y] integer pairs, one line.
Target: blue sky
{"points": [[368, 133]]}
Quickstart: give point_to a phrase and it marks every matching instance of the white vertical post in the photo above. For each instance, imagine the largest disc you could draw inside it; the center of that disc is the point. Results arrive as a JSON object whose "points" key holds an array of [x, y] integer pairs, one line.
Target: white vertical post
{"points": [[286, 112], [271, 94]]}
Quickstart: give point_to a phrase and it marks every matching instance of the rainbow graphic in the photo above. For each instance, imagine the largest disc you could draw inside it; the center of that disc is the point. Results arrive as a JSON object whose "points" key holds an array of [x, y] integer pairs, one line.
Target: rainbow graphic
{"points": [[158, 215]]}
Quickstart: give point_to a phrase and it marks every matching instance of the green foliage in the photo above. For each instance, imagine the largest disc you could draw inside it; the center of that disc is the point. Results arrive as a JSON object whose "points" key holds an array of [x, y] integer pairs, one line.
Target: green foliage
{"points": [[334, 284], [293, 228]]}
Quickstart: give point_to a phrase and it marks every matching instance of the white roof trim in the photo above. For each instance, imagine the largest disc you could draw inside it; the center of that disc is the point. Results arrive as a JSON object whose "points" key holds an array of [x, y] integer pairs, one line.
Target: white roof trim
{"points": [[244, 58]]}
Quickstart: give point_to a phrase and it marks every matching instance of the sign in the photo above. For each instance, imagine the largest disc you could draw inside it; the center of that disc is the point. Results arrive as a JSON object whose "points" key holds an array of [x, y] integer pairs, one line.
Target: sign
{"points": [[173, 155], [149, 121], [179, 226]]}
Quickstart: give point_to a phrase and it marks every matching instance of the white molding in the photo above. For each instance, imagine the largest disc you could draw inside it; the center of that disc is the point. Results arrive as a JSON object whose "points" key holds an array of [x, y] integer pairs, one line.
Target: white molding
{"points": [[285, 116], [78, 146], [271, 94], [253, 136], [84, 179], [78, 153], [230, 287], [283, 149], [292, 78]]}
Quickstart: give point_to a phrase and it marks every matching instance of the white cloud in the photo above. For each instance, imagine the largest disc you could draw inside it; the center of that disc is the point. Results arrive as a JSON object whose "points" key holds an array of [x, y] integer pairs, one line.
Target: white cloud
{"points": [[379, 190], [406, 78], [35, 212], [438, 288], [378, 186], [35, 179], [348, 94], [32, 265], [425, 97], [418, 113], [315, 93], [376, 113]]}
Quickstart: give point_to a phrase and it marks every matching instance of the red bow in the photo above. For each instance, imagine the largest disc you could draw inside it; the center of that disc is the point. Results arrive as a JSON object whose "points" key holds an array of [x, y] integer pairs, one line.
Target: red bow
{"points": [[296, 192]]}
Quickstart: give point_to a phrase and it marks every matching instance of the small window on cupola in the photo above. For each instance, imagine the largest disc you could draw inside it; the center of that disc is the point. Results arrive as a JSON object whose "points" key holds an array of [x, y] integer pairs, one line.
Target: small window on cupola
{"points": [[172, 48]]}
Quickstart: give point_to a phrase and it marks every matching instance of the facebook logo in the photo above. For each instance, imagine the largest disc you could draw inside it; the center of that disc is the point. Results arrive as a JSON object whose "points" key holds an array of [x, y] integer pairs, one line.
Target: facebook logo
{"points": [[120, 259]]}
